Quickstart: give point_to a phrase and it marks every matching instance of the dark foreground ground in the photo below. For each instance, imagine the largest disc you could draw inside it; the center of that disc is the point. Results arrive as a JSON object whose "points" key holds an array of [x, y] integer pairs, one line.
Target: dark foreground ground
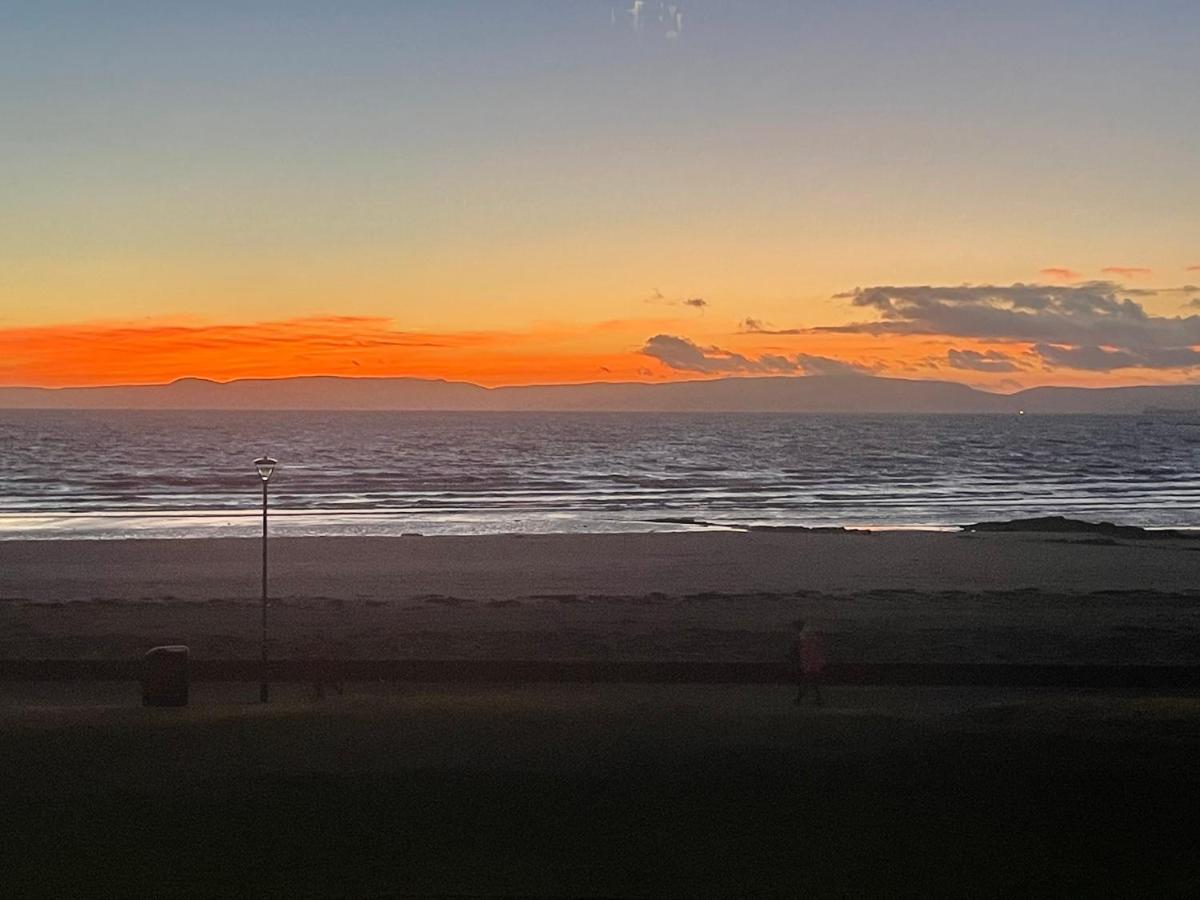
{"points": [[598, 791]]}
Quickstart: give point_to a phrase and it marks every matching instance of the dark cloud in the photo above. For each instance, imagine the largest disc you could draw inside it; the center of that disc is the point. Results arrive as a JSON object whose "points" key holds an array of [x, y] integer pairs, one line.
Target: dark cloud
{"points": [[658, 298], [687, 356], [750, 325], [826, 365], [1071, 322], [1181, 289], [1100, 359], [680, 353], [987, 361]]}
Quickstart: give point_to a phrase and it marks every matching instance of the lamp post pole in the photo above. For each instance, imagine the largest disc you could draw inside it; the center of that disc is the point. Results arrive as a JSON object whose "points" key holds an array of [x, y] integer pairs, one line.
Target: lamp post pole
{"points": [[265, 467], [263, 690]]}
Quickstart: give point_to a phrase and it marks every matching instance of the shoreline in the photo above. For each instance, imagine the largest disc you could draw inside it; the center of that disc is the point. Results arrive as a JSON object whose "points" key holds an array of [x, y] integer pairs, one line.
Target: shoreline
{"points": [[250, 523], [726, 559]]}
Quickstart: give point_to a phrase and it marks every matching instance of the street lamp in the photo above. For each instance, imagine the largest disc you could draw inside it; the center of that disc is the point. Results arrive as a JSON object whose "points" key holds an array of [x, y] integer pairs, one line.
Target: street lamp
{"points": [[266, 468]]}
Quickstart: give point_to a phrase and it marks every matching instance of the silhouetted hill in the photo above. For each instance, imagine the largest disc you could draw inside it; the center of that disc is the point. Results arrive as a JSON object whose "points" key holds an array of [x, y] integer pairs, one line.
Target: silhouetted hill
{"points": [[823, 393], [317, 392], [818, 393]]}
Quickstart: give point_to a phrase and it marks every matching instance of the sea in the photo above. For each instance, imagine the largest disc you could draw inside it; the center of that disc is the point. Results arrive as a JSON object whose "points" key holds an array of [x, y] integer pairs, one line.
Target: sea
{"points": [[123, 474]]}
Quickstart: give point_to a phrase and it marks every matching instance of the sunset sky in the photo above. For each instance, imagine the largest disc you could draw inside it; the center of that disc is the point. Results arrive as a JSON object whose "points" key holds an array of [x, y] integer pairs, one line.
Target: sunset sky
{"points": [[1004, 194]]}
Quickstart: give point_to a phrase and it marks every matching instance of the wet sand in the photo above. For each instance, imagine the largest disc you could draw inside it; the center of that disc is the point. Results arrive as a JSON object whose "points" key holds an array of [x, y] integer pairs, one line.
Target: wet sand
{"points": [[706, 596]]}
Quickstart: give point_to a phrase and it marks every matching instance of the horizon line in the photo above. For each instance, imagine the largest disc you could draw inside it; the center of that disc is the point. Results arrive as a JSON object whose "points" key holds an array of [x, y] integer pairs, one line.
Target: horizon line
{"points": [[578, 384]]}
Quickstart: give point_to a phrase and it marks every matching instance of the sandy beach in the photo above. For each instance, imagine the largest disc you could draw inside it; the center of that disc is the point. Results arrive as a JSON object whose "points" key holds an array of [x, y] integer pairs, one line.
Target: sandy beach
{"points": [[888, 596]]}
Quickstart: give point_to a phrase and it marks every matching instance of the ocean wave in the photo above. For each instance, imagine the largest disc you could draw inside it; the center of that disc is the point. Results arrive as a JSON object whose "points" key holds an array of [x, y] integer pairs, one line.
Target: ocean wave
{"points": [[188, 473]]}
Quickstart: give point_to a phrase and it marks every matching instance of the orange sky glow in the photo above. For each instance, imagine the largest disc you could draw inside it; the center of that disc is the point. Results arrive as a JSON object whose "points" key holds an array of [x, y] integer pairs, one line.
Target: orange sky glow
{"points": [[106, 352]]}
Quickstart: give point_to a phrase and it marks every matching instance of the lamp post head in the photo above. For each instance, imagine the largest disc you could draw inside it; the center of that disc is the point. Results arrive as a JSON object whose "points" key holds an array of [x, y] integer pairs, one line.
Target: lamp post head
{"points": [[266, 467]]}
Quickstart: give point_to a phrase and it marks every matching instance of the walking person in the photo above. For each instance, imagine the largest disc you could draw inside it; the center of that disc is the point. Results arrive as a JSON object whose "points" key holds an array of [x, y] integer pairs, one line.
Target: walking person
{"points": [[808, 661]]}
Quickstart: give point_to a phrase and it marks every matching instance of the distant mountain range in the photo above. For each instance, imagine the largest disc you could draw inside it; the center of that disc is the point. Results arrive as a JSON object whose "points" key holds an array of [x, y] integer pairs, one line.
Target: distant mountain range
{"points": [[818, 393]]}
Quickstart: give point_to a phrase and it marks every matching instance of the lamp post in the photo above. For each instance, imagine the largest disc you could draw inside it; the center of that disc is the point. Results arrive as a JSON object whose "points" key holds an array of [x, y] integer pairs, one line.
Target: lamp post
{"points": [[266, 467]]}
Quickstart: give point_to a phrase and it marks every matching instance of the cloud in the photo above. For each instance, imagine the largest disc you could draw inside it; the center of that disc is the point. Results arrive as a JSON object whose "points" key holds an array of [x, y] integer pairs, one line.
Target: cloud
{"points": [[1127, 271], [1086, 326], [658, 298], [751, 325], [687, 356], [1060, 273], [659, 18], [1100, 359], [986, 361], [1193, 269], [681, 353], [825, 365], [1060, 318]]}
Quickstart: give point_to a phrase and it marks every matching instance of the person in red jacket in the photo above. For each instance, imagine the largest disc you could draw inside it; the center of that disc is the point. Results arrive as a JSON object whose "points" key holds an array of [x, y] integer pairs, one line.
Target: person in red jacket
{"points": [[808, 660]]}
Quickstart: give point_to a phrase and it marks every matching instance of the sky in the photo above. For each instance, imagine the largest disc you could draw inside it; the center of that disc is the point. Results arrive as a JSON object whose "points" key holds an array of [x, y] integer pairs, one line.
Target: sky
{"points": [[546, 191]]}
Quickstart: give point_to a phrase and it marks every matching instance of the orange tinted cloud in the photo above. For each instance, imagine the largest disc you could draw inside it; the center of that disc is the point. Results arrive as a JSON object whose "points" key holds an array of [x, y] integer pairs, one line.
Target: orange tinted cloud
{"points": [[1127, 271], [1061, 273]]}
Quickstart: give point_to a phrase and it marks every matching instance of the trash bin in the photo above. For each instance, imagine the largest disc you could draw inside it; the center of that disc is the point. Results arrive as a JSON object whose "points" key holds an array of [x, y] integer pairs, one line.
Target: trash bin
{"points": [[165, 676]]}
